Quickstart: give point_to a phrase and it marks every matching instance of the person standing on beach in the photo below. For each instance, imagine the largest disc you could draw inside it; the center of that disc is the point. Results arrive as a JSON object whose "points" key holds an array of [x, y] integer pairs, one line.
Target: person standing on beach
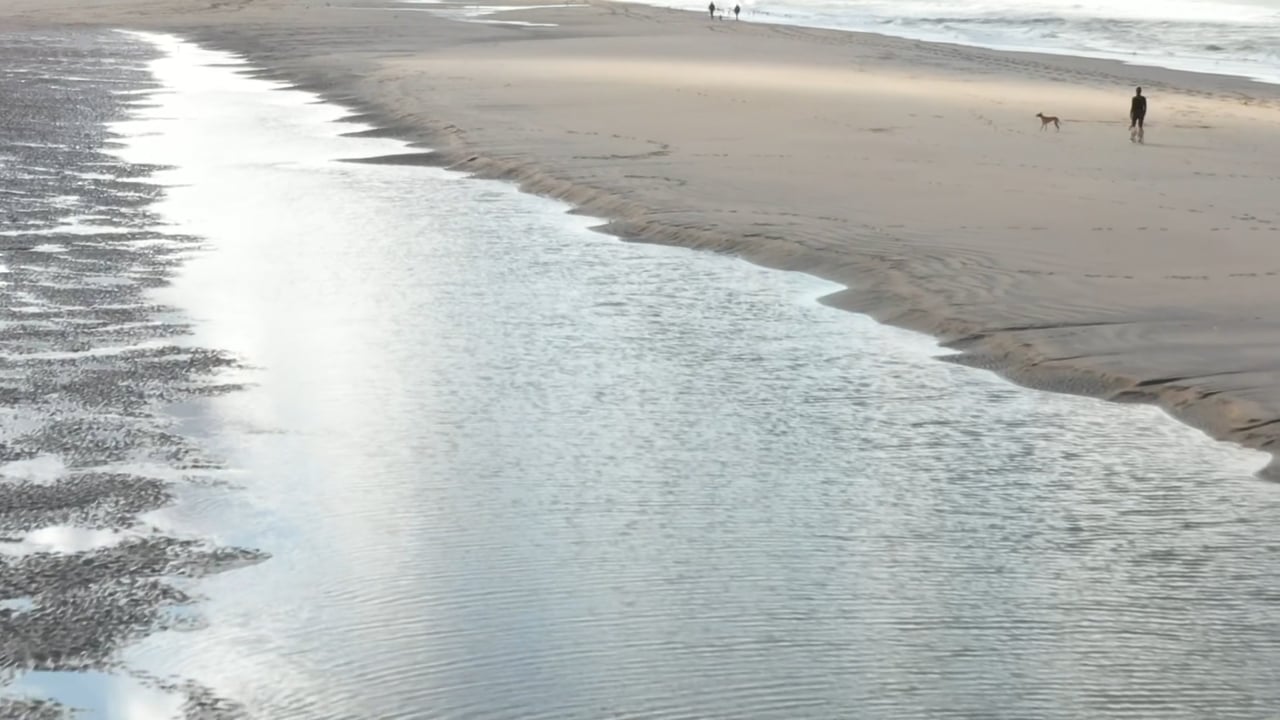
{"points": [[1137, 113], [737, 9], [712, 9]]}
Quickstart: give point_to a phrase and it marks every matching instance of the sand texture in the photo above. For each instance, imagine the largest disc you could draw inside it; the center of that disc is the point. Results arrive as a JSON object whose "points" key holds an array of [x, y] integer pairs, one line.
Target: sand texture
{"points": [[914, 173]]}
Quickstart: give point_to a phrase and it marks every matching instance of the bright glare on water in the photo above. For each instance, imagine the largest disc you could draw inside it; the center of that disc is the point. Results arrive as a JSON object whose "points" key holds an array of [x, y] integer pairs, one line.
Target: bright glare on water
{"points": [[507, 467]]}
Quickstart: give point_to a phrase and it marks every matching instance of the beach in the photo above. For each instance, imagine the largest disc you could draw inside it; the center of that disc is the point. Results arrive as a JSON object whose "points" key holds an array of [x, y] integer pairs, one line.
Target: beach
{"points": [[913, 173], [310, 414]]}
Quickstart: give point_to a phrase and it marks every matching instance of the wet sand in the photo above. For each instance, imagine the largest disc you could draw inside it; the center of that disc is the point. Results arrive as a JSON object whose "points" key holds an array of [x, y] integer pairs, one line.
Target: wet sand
{"points": [[914, 173], [88, 366]]}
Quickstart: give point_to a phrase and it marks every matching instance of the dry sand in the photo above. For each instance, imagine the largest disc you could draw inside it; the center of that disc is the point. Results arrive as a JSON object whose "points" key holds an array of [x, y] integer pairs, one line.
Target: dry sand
{"points": [[915, 173]]}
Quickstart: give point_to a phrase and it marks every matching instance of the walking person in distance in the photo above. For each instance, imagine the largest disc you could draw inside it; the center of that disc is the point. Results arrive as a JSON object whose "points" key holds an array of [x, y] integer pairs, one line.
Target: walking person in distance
{"points": [[1137, 113]]}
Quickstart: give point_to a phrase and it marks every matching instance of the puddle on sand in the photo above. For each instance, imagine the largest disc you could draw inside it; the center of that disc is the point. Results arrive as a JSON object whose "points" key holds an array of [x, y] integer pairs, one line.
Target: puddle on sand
{"points": [[20, 605], [63, 539], [99, 695], [462, 12], [41, 469]]}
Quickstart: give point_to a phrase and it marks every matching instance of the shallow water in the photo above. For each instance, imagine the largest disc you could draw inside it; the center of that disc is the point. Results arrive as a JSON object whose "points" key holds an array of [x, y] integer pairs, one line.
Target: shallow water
{"points": [[507, 467], [107, 696], [476, 13]]}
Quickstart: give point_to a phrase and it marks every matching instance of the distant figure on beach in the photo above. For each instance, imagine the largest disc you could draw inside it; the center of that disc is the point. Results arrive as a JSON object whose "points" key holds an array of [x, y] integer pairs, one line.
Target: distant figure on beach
{"points": [[736, 9], [712, 9], [1137, 113]]}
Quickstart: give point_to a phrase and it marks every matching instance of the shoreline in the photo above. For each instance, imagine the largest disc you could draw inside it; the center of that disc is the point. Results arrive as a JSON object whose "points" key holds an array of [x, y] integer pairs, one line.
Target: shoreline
{"points": [[761, 17], [1232, 395], [88, 451], [863, 446]]}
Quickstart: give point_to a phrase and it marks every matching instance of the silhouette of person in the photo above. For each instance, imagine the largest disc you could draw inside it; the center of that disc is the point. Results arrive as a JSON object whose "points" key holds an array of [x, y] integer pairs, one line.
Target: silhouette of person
{"points": [[712, 9], [736, 9], [1137, 113]]}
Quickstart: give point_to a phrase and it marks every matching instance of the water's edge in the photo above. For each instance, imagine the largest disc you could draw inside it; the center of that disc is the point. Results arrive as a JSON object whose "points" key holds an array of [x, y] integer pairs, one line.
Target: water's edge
{"points": [[615, 230], [870, 288], [608, 257], [1174, 64], [90, 363]]}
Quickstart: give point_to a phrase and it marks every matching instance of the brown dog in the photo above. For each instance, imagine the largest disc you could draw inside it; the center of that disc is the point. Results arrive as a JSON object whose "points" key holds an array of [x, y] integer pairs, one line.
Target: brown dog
{"points": [[1046, 119]]}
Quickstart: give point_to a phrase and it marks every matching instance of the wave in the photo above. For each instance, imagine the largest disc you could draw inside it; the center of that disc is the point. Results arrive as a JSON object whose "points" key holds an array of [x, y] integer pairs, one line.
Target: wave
{"points": [[1225, 38]]}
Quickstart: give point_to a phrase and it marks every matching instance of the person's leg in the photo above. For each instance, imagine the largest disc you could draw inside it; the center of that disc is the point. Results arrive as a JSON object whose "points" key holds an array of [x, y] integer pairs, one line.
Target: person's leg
{"points": [[1140, 130]]}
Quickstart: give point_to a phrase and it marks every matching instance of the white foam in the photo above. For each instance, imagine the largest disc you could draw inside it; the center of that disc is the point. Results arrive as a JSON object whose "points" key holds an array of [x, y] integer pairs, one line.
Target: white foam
{"points": [[1177, 34]]}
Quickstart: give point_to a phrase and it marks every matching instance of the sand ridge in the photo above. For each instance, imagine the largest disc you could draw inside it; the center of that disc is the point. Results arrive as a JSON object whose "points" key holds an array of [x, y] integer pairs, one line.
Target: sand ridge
{"points": [[914, 173]]}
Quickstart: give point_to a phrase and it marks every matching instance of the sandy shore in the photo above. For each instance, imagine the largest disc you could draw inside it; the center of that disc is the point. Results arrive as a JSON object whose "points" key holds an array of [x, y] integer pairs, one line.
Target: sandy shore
{"points": [[915, 173]]}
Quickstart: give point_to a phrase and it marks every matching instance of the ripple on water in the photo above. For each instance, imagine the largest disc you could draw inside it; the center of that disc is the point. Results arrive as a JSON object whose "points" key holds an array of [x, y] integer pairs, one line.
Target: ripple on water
{"points": [[510, 468]]}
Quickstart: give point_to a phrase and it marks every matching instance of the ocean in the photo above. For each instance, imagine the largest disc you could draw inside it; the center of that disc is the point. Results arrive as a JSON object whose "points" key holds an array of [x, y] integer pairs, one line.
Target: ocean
{"points": [[339, 439], [1238, 37]]}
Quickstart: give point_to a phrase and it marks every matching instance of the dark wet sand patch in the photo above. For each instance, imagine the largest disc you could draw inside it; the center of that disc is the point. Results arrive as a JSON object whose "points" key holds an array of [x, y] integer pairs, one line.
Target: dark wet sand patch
{"points": [[88, 366], [429, 158]]}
